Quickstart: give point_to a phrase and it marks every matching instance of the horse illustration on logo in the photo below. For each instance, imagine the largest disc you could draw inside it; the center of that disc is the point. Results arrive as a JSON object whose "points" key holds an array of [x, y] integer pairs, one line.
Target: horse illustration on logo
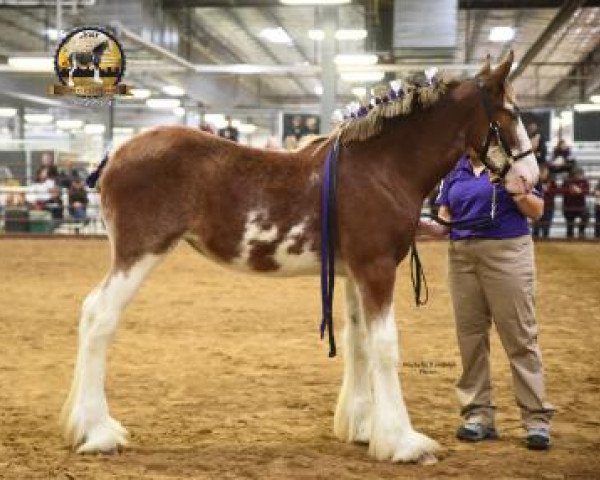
{"points": [[86, 59]]}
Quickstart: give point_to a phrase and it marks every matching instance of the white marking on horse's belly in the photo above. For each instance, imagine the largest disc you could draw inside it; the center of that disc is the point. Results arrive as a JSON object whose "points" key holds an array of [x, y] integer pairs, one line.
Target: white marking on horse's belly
{"points": [[294, 263], [254, 233]]}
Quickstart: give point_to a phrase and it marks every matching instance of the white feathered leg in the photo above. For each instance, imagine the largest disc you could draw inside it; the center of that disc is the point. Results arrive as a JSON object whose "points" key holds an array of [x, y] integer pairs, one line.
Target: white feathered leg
{"points": [[392, 436], [86, 419], [352, 420]]}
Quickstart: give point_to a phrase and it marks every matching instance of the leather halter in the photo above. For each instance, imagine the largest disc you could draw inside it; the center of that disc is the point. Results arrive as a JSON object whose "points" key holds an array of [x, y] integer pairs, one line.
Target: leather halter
{"points": [[495, 132]]}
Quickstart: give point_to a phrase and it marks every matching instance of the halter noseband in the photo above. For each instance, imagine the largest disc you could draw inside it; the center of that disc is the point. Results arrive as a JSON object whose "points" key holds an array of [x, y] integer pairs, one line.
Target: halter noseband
{"points": [[494, 131]]}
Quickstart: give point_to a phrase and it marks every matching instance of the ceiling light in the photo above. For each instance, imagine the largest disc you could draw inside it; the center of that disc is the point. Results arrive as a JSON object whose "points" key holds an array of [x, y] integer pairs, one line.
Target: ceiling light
{"points": [[32, 64], [163, 103], [314, 2], [94, 128], [173, 90], [52, 34], [317, 35], [276, 35], [140, 93], [502, 34], [362, 76], [359, 92], [38, 118], [319, 90], [69, 124], [179, 111], [355, 34], [587, 107], [247, 128], [595, 99], [359, 59], [8, 112]]}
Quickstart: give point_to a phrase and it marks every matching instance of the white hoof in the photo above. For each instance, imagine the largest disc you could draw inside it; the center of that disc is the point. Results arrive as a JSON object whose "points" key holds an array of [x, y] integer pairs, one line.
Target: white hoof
{"points": [[416, 447], [104, 438], [407, 447]]}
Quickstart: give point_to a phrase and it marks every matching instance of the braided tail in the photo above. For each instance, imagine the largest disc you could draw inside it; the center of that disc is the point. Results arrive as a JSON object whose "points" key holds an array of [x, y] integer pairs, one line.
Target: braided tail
{"points": [[93, 177]]}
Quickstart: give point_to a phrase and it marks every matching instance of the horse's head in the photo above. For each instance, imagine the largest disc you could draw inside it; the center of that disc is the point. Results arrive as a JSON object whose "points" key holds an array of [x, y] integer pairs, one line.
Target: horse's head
{"points": [[99, 49], [497, 135]]}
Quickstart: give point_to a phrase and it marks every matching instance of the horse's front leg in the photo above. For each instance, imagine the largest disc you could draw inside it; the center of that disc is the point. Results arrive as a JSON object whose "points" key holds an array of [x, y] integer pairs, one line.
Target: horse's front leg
{"points": [[392, 435], [97, 78], [352, 420], [71, 82]]}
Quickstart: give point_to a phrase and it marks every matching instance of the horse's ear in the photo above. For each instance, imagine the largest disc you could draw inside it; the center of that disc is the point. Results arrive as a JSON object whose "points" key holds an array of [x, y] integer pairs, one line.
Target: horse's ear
{"points": [[500, 73], [486, 69]]}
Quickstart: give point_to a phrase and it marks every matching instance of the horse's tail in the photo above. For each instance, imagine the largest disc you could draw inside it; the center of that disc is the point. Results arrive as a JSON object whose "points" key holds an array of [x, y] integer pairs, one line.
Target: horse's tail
{"points": [[93, 177]]}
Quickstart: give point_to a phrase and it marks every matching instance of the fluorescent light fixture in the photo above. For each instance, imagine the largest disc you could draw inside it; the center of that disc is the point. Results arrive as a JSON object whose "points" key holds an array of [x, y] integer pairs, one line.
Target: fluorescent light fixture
{"points": [[358, 59], [140, 93], [275, 35], [502, 34], [179, 111], [351, 34], [587, 107], [173, 90], [595, 99], [7, 112], [123, 130], [316, 35], [318, 90], [314, 2], [365, 77], [69, 124], [32, 64], [359, 92], [247, 128], [94, 128], [163, 103], [38, 118]]}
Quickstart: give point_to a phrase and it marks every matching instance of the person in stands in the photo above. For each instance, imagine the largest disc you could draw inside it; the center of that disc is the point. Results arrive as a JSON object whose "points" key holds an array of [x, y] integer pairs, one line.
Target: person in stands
{"points": [[597, 210], [575, 188], [230, 132], [538, 142], [78, 200], [547, 185]]}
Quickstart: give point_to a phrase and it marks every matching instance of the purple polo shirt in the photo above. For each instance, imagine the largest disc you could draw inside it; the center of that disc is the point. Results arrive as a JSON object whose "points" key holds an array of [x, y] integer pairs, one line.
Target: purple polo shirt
{"points": [[470, 197]]}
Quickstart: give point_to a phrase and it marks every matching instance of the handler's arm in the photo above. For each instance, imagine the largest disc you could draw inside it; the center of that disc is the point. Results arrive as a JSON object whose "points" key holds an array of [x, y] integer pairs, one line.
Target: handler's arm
{"points": [[530, 205], [432, 229]]}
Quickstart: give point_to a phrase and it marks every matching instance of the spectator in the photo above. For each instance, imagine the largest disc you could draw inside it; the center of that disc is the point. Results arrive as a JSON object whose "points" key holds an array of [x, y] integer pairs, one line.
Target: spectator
{"points": [[67, 174], [54, 205], [549, 188], [597, 210], [78, 200], [16, 214], [575, 188], [562, 158], [297, 129], [48, 163], [230, 132], [39, 191], [290, 143], [538, 143]]}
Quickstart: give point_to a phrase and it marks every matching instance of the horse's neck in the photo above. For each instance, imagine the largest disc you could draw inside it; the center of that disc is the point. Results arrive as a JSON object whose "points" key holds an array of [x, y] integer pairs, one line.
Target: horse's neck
{"points": [[437, 141]]}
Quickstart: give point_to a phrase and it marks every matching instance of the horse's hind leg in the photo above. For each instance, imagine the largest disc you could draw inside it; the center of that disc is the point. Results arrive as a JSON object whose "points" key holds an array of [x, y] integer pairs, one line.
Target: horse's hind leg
{"points": [[86, 419], [352, 420]]}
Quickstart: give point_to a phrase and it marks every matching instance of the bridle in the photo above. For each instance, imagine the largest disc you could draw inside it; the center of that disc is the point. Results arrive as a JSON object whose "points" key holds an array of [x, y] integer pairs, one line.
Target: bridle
{"points": [[495, 132]]}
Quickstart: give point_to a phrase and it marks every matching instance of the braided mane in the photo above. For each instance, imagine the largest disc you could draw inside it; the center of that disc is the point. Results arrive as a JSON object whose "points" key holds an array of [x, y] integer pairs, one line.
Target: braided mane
{"points": [[368, 121]]}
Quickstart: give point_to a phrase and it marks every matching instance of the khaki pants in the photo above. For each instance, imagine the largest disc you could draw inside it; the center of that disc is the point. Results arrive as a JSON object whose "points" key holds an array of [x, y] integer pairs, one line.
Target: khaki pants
{"points": [[495, 279]]}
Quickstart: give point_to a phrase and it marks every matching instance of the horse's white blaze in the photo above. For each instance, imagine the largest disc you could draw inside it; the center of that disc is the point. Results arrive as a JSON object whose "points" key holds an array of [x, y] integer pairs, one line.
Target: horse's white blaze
{"points": [[392, 436], [352, 419], [86, 416], [305, 261], [525, 168]]}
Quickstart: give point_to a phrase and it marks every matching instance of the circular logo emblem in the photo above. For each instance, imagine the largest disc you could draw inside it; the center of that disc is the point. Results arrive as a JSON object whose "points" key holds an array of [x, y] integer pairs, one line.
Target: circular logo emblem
{"points": [[89, 62]]}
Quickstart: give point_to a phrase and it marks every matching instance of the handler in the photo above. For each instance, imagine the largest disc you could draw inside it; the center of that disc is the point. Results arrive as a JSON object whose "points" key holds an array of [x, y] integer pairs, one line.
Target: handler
{"points": [[492, 275]]}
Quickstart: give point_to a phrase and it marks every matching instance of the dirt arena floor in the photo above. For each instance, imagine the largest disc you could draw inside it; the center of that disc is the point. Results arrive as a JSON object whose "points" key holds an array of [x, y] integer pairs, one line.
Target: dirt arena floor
{"points": [[220, 375]]}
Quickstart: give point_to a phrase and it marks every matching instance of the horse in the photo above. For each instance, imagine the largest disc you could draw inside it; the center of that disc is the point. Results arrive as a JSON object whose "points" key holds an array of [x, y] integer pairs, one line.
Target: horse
{"points": [[259, 211], [86, 59]]}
